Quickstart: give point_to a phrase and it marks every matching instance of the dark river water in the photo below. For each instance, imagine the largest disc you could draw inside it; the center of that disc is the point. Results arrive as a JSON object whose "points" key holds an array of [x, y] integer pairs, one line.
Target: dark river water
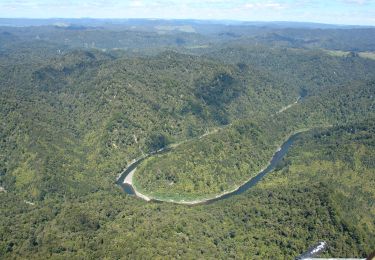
{"points": [[277, 157], [120, 181]]}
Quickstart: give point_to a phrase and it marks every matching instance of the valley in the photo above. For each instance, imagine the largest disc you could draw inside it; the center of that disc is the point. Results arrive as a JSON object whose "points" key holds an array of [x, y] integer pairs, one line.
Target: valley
{"points": [[261, 135]]}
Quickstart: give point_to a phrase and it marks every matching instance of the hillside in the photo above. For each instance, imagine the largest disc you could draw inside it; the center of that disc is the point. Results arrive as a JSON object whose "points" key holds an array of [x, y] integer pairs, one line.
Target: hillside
{"points": [[72, 116]]}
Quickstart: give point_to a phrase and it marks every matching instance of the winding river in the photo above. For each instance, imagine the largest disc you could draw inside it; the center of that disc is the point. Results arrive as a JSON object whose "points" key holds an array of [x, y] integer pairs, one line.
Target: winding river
{"points": [[126, 183], [277, 157]]}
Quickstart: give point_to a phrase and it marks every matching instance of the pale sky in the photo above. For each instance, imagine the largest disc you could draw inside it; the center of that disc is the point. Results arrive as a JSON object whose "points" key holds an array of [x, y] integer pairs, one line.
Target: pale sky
{"points": [[361, 12]]}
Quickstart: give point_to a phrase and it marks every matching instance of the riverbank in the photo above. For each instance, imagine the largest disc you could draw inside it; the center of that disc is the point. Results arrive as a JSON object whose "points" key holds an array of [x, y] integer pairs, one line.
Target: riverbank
{"points": [[129, 180], [278, 155]]}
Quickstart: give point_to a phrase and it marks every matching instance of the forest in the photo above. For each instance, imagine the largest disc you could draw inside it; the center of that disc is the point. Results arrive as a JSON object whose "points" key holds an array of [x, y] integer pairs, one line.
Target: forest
{"points": [[79, 103]]}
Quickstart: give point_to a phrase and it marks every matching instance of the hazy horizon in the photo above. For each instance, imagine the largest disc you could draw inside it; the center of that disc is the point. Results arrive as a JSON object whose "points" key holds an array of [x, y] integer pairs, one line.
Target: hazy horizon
{"points": [[218, 21], [340, 12]]}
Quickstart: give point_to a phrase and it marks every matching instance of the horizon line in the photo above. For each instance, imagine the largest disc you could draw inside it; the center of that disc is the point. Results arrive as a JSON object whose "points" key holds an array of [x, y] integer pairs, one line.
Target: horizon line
{"points": [[182, 19]]}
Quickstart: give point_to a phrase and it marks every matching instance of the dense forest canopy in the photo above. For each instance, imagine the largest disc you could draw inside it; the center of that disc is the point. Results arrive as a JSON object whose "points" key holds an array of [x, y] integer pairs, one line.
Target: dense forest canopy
{"points": [[80, 101]]}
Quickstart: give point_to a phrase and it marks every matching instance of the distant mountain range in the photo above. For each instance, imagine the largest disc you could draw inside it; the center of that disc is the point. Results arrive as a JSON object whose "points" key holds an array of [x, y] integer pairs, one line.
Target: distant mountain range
{"points": [[152, 22]]}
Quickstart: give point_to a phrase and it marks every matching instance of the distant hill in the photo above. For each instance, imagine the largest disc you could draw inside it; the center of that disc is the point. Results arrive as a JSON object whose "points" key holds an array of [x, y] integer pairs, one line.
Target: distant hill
{"points": [[152, 22], [81, 99], [152, 34]]}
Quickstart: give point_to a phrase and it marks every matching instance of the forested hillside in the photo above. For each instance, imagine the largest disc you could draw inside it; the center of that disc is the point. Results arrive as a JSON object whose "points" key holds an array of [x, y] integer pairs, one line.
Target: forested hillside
{"points": [[73, 115]]}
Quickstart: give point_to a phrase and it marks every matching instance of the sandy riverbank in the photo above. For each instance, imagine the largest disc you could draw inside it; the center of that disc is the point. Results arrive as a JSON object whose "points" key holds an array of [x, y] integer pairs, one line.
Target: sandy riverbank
{"points": [[129, 180]]}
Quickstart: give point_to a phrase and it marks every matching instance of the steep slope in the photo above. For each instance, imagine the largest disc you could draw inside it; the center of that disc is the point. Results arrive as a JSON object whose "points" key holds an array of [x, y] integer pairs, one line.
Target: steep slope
{"points": [[71, 120]]}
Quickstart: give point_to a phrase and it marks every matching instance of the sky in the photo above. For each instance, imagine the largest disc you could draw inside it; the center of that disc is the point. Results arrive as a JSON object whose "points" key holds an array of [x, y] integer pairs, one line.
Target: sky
{"points": [[354, 12]]}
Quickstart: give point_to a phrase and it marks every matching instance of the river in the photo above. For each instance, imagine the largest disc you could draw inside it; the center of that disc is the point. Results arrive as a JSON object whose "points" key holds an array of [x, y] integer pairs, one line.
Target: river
{"points": [[277, 157]]}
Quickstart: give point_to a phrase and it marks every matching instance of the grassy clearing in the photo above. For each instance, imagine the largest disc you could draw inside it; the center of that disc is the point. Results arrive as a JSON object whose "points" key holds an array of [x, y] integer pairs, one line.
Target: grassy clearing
{"points": [[337, 53], [367, 55]]}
